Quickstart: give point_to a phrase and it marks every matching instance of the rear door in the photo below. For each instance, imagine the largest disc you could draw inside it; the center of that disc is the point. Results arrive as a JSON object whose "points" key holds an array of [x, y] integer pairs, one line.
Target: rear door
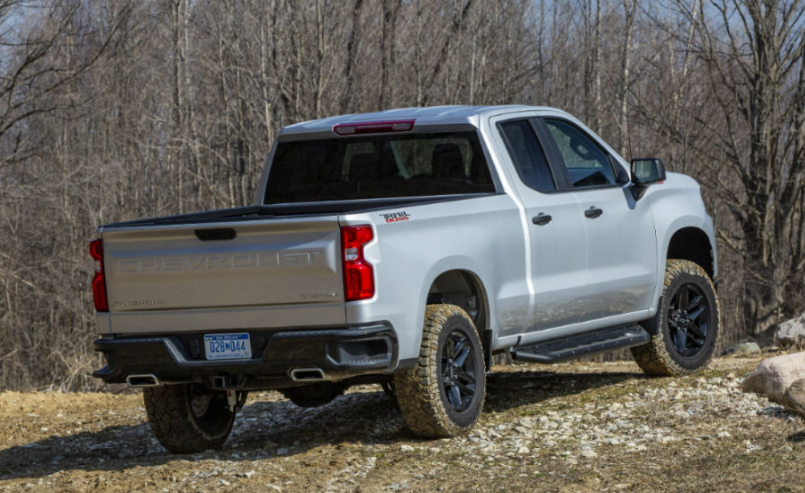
{"points": [[555, 229], [620, 239]]}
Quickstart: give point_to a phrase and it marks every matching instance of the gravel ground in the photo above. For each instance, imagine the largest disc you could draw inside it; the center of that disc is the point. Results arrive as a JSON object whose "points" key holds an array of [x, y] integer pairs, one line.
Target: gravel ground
{"points": [[570, 427]]}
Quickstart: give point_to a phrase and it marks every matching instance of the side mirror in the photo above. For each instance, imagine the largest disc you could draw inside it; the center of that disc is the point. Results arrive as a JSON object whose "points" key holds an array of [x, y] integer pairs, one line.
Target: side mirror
{"points": [[646, 171]]}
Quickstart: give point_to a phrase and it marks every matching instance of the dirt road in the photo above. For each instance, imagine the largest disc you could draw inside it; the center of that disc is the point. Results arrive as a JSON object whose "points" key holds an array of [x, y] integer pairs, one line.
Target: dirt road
{"points": [[574, 427]]}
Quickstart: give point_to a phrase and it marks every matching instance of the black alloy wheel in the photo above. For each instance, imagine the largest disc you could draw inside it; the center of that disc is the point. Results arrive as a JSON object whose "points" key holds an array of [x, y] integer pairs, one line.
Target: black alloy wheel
{"points": [[688, 320], [458, 371]]}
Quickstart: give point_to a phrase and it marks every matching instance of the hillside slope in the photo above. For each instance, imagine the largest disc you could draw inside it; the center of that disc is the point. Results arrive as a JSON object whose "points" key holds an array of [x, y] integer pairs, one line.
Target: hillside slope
{"points": [[571, 427]]}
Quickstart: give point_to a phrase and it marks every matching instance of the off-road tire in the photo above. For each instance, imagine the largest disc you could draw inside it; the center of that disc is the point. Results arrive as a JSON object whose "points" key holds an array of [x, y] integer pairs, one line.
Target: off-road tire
{"points": [[659, 357], [315, 394], [420, 391], [177, 426]]}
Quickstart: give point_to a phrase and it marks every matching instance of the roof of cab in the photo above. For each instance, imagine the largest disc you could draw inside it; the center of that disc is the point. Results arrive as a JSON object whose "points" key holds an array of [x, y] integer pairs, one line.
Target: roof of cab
{"points": [[433, 115]]}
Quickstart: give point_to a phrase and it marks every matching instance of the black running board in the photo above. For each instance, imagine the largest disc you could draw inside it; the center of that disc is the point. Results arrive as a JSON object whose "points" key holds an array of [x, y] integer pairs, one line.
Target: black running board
{"points": [[568, 348]]}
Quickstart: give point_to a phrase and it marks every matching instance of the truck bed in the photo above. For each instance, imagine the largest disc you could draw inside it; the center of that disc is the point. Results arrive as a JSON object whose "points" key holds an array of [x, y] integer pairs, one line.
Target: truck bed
{"points": [[246, 267], [257, 212]]}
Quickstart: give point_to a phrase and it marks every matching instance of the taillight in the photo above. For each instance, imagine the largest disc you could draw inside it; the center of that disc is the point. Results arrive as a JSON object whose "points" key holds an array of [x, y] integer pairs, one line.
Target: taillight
{"points": [[98, 282], [374, 127], [359, 277]]}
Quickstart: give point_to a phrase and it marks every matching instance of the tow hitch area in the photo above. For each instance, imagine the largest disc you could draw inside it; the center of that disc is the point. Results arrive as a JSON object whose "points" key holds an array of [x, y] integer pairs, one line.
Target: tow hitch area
{"points": [[223, 382]]}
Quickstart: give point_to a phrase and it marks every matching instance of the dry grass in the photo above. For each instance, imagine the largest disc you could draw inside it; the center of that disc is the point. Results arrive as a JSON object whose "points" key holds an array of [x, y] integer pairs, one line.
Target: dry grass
{"points": [[99, 442]]}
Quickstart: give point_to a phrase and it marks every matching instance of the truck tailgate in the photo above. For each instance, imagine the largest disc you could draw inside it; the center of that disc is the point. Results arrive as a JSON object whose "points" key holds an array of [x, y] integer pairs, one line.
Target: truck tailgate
{"points": [[243, 266]]}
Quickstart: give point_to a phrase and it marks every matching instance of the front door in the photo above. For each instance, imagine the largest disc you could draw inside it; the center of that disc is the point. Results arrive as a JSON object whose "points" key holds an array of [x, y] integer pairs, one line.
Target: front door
{"points": [[620, 245]]}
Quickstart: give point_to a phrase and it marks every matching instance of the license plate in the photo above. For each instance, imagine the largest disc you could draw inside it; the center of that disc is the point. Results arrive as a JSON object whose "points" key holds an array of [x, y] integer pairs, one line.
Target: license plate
{"points": [[227, 346]]}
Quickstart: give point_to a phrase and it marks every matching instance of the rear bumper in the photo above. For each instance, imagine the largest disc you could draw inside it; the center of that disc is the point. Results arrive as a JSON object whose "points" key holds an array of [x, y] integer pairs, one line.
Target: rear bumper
{"points": [[339, 353]]}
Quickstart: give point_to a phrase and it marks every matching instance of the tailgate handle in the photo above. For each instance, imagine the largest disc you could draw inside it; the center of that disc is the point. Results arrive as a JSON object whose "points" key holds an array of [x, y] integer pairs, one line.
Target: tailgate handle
{"points": [[216, 234]]}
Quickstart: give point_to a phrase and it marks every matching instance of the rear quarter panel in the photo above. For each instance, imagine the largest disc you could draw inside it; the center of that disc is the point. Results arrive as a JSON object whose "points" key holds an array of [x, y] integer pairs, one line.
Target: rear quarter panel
{"points": [[482, 236]]}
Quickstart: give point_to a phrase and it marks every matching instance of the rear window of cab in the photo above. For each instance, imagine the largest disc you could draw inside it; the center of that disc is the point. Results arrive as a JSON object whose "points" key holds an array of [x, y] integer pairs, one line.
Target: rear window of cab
{"points": [[378, 166]]}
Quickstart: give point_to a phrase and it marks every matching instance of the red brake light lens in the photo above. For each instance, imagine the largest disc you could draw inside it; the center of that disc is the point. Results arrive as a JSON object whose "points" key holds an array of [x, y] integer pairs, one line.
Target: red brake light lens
{"points": [[359, 276], [374, 127], [98, 282]]}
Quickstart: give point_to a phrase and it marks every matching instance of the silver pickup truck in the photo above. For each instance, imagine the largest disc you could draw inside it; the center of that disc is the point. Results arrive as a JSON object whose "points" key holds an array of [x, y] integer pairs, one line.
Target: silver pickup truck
{"points": [[406, 248]]}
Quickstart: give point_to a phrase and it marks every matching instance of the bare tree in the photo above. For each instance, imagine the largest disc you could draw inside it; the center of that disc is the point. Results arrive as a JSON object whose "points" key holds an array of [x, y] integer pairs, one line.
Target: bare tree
{"points": [[112, 110], [39, 62], [753, 52]]}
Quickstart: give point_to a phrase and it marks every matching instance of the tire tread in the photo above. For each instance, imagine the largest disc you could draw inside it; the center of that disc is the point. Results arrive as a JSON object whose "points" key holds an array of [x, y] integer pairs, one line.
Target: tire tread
{"points": [[169, 417], [418, 391], [653, 358]]}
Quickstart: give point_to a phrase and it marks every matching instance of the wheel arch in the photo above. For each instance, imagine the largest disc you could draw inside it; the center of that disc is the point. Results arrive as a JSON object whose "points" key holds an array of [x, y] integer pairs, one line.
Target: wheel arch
{"points": [[465, 289], [693, 244]]}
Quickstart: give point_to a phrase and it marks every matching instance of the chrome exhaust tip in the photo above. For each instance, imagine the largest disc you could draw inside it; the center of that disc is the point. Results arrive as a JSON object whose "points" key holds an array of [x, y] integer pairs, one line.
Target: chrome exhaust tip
{"points": [[308, 375], [143, 381]]}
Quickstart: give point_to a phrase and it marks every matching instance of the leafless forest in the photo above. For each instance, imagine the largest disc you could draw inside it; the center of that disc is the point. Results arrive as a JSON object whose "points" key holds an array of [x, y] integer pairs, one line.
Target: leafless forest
{"points": [[113, 110]]}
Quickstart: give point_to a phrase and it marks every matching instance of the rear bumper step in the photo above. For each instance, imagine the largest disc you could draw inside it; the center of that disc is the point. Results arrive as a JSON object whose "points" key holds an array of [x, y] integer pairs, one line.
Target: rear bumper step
{"points": [[568, 348], [279, 358]]}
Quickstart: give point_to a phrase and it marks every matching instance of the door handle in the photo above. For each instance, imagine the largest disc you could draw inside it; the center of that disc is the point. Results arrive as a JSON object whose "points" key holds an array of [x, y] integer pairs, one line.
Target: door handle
{"points": [[541, 219], [593, 212]]}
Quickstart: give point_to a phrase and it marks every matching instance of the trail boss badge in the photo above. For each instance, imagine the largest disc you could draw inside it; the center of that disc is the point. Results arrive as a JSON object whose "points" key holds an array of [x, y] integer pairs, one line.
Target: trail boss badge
{"points": [[395, 217]]}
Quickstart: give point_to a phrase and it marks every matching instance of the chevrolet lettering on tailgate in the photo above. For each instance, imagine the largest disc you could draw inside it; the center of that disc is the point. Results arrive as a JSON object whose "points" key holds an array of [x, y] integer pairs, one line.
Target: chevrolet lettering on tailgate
{"points": [[209, 262]]}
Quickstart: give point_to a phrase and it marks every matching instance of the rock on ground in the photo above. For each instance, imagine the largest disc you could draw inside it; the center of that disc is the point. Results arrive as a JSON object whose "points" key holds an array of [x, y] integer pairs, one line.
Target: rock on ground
{"points": [[744, 349], [795, 396], [792, 332], [774, 376]]}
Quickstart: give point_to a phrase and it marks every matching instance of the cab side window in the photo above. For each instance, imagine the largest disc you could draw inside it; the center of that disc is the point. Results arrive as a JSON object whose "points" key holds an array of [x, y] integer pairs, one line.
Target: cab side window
{"points": [[527, 155], [588, 165]]}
